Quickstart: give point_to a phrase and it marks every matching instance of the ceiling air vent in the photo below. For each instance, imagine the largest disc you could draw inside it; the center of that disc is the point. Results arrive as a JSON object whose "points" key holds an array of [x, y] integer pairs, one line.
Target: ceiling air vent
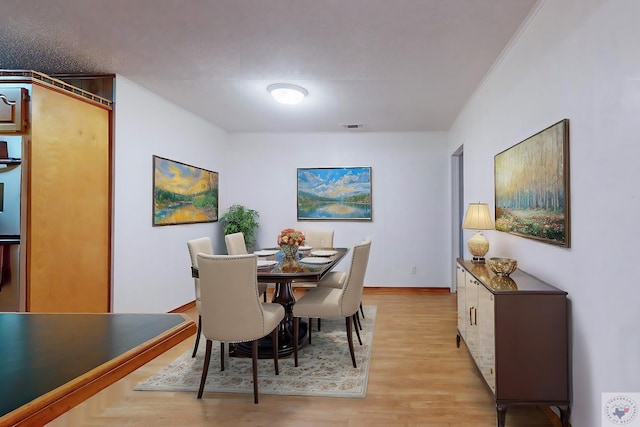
{"points": [[352, 125]]}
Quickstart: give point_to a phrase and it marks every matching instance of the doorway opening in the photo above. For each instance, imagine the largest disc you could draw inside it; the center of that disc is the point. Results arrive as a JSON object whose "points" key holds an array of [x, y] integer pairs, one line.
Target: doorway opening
{"points": [[457, 210]]}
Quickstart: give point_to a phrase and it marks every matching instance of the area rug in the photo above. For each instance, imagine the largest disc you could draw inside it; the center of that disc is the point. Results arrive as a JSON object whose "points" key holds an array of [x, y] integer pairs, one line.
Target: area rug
{"points": [[324, 367]]}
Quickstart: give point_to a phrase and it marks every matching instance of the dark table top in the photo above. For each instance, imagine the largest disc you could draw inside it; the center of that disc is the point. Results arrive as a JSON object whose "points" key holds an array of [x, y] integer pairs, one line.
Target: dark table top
{"points": [[295, 270], [40, 352]]}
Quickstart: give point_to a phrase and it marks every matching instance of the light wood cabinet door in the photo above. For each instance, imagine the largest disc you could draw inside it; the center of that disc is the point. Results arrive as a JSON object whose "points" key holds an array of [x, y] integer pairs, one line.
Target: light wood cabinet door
{"points": [[486, 347], [471, 313], [460, 290], [68, 255]]}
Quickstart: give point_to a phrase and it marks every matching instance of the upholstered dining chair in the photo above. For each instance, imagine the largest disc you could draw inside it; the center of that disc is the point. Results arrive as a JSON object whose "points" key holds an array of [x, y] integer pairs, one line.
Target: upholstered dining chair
{"points": [[236, 246], [318, 239], [331, 302], [232, 311], [335, 279], [196, 246]]}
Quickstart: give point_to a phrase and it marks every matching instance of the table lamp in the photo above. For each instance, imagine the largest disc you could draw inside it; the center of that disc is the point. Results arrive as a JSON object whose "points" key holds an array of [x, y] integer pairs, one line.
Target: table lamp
{"points": [[478, 218]]}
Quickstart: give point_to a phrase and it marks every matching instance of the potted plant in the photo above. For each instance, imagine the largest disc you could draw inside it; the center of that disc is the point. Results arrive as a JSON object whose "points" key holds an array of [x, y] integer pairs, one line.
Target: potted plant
{"points": [[239, 218]]}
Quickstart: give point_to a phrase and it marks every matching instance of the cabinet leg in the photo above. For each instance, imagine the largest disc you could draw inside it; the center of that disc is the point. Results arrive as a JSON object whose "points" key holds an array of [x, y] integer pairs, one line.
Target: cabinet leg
{"points": [[501, 414], [565, 413], [458, 340]]}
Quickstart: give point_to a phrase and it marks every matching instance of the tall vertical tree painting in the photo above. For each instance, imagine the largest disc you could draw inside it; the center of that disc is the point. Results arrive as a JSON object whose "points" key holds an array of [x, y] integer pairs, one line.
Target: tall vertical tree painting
{"points": [[532, 186], [183, 194]]}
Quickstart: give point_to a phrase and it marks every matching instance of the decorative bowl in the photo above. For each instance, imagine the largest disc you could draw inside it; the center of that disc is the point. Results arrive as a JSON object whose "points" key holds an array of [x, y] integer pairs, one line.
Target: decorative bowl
{"points": [[502, 266]]}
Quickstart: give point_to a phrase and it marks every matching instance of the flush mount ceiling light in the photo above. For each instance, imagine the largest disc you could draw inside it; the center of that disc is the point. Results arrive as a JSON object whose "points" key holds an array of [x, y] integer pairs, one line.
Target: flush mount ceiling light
{"points": [[287, 93]]}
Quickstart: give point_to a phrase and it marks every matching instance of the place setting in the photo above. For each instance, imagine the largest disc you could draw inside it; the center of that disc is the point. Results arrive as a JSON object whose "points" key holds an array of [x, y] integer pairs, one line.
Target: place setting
{"points": [[316, 260], [266, 264], [266, 252], [323, 252]]}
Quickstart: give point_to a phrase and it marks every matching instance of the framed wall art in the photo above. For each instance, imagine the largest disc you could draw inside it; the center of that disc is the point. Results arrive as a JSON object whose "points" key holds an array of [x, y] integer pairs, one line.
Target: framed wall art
{"points": [[334, 193], [532, 186], [183, 194]]}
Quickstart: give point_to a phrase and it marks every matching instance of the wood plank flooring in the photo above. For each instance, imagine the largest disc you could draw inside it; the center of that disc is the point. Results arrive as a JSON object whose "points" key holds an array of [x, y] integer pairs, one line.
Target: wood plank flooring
{"points": [[417, 377]]}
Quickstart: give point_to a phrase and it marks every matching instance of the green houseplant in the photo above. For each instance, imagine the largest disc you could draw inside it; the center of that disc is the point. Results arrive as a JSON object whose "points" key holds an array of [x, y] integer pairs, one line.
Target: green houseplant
{"points": [[239, 218]]}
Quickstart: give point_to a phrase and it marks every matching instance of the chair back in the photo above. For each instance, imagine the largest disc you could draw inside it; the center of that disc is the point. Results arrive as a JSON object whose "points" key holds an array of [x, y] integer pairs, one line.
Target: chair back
{"points": [[318, 238], [231, 308], [198, 246], [352, 288], [235, 244]]}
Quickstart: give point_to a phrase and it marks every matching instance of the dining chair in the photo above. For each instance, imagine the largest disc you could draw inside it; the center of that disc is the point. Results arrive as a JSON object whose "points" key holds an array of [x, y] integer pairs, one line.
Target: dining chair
{"points": [[318, 239], [236, 246], [232, 310], [335, 279], [196, 246], [328, 302]]}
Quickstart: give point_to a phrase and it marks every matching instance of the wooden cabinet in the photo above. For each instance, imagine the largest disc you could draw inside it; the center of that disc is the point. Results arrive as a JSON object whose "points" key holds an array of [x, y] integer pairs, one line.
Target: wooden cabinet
{"points": [[65, 240], [516, 329], [14, 109]]}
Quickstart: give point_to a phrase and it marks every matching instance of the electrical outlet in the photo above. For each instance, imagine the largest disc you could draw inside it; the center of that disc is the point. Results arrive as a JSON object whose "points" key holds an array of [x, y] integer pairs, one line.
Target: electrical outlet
{"points": [[413, 269]]}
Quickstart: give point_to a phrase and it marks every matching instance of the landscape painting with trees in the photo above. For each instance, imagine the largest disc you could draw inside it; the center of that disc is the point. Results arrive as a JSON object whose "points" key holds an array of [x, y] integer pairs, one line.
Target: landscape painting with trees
{"points": [[334, 193], [183, 194], [532, 186]]}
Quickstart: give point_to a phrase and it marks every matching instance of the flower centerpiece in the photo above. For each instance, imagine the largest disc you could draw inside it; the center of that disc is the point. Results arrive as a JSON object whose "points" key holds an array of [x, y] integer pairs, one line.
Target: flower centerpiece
{"points": [[289, 239]]}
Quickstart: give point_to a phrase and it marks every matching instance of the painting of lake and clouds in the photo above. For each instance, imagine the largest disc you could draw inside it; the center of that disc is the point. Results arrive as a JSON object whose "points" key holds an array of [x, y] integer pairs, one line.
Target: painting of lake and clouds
{"points": [[183, 194], [334, 193]]}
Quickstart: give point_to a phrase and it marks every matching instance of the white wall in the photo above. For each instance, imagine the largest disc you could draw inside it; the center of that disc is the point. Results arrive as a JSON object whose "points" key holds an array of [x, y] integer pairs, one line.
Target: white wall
{"points": [[151, 264], [577, 59], [409, 184]]}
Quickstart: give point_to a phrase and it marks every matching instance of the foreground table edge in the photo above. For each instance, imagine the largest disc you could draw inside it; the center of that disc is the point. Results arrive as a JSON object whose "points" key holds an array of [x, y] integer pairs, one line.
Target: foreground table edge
{"points": [[58, 401]]}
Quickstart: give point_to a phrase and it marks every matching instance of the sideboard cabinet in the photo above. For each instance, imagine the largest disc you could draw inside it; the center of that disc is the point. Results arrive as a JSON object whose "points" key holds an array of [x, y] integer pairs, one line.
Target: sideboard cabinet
{"points": [[516, 329]]}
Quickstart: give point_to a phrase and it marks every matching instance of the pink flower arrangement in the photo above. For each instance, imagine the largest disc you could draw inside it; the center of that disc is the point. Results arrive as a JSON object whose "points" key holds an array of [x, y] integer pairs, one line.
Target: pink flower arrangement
{"points": [[290, 236]]}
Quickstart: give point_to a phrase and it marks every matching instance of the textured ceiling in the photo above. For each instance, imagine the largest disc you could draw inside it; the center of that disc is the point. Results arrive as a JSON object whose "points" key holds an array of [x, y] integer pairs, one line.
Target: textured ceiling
{"points": [[401, 65]]}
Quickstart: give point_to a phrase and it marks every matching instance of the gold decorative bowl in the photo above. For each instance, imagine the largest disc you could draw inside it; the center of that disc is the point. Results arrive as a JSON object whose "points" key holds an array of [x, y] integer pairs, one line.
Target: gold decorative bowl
{"points": [[502, 266]]}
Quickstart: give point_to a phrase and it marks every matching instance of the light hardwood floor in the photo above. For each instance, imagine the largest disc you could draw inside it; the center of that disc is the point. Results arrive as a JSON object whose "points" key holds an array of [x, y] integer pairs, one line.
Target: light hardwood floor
{"points": [[417, 377]]}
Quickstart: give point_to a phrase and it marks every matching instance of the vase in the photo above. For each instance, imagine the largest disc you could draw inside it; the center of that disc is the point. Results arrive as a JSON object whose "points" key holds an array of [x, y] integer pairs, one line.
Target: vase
{"points": [[289, 251]]}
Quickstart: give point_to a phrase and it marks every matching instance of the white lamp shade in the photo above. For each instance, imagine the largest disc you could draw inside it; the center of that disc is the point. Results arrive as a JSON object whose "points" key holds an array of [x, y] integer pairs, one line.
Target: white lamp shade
{"points": [[478, 217], [286, 93]]}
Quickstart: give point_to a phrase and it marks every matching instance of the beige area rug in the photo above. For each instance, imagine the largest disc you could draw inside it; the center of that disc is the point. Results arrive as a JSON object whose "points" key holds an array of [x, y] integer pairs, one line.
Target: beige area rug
{"points": [[325, 367]]}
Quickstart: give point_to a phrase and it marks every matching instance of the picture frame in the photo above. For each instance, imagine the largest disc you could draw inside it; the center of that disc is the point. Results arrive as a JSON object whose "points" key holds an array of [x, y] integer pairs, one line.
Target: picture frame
{"points": [[334, 193], [532, 187], [183, 194]]}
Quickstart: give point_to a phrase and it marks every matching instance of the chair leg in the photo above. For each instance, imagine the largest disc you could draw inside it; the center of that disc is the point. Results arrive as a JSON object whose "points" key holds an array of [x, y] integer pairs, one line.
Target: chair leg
{"points": [[361, 310], [254, 357], [195, 346], [221, 356], [350, 339], [274, 340], [358, 323], [205, 368], [309, 326], [296, 326], [318, 323], [355, 317]]}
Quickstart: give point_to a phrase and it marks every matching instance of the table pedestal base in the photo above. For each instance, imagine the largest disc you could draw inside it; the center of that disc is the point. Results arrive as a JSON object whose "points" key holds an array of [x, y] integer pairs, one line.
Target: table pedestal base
{"points": [[283, 295]]}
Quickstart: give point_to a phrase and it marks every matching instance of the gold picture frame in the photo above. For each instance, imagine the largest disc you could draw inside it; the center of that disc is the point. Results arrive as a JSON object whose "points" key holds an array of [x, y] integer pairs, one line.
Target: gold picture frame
{"points": [[183, 194], [532, 187]]}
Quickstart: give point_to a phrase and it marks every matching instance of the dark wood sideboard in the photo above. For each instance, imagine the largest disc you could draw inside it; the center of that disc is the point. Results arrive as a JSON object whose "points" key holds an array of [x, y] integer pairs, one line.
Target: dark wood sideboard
{"points": [[516, 329]]}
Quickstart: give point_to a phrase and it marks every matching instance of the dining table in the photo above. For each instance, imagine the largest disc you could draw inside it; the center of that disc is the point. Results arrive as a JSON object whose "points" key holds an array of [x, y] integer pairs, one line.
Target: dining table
{"points": [[308, 266]]}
